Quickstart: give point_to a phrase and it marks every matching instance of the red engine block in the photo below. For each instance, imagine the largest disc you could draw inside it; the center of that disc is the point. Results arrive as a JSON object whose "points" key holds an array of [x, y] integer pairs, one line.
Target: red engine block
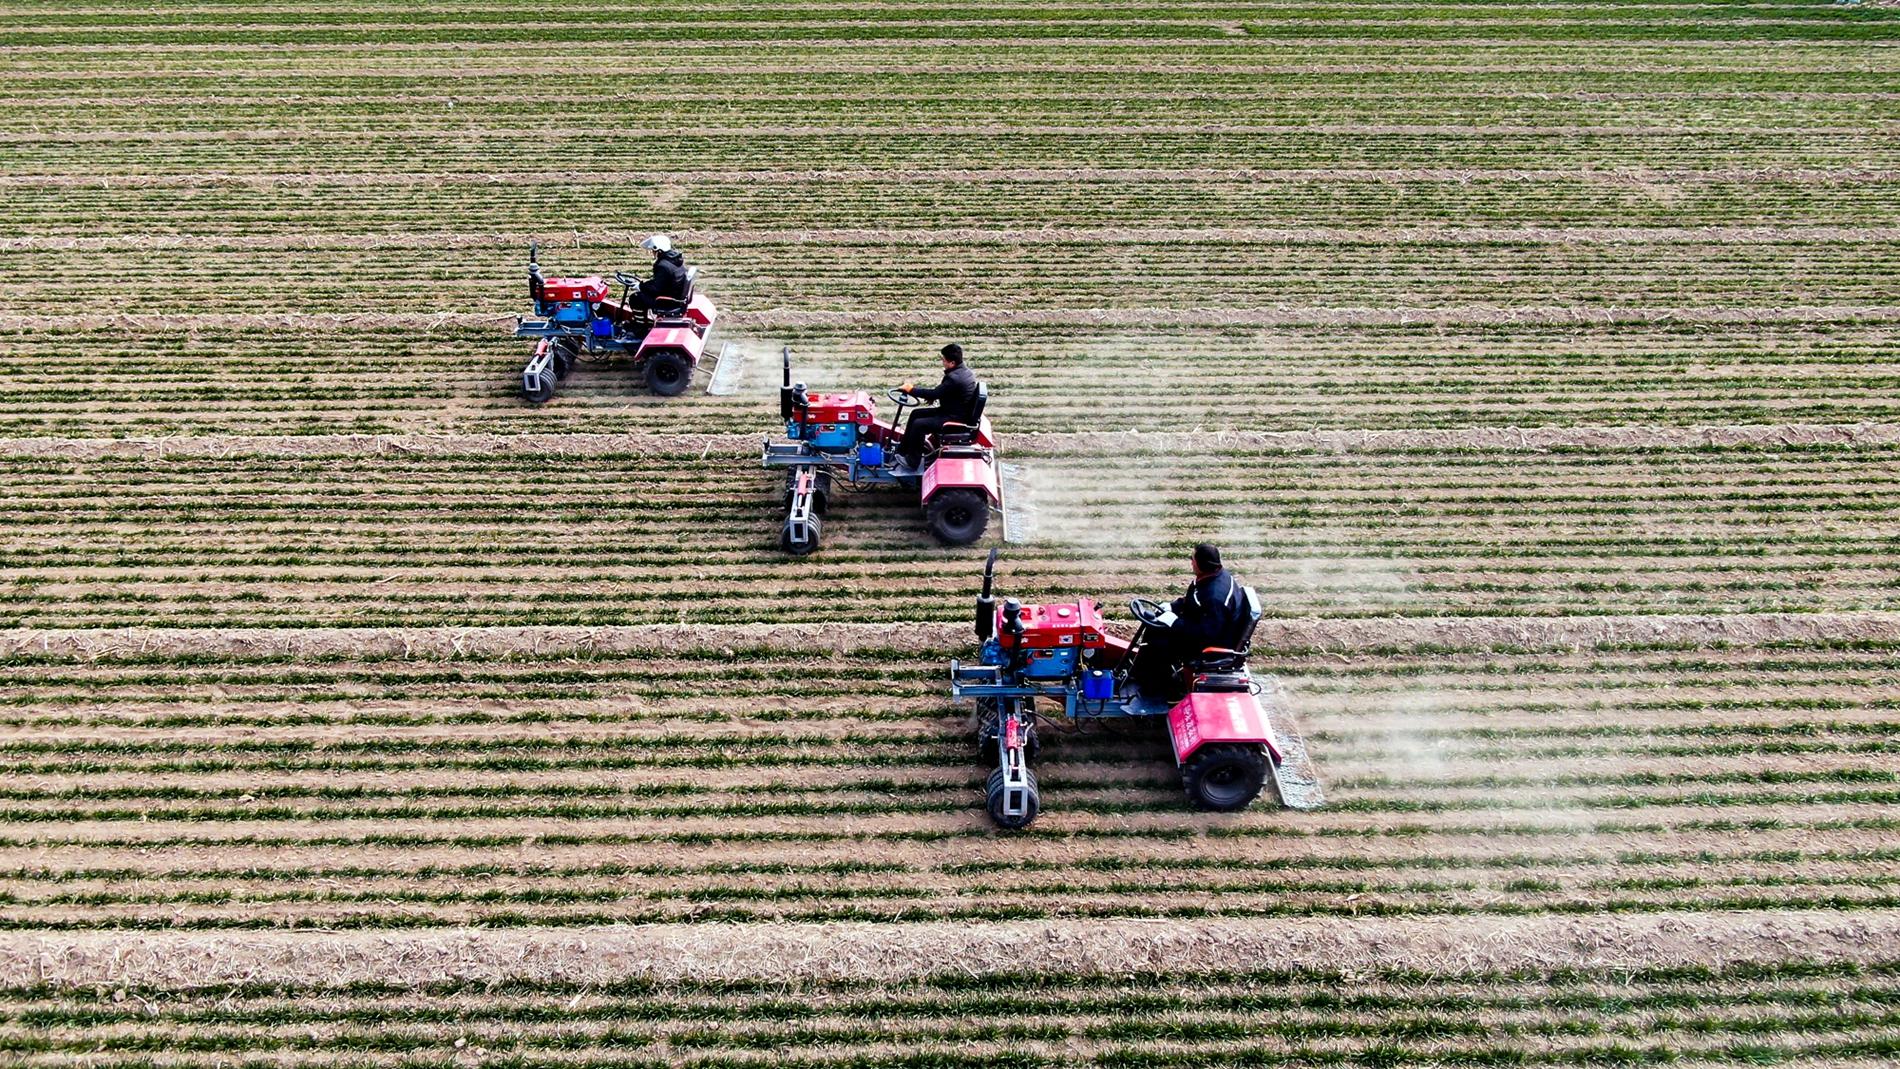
{"points": [[563, 290], [1076, 623]]}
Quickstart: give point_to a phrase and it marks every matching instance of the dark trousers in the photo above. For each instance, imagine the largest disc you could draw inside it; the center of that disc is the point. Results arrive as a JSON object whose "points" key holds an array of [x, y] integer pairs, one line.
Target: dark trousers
{"points": [[922, 424], [645, 303], [1157, 667]]}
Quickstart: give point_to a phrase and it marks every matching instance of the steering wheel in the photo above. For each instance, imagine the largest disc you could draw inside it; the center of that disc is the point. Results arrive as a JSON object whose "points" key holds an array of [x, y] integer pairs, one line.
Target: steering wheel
{"points": [[1148, 612], [903, 400], [625, 279]]}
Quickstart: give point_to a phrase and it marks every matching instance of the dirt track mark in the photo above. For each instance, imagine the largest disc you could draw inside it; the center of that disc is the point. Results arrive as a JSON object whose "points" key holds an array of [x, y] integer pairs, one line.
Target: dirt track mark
{"points": [[1470, 315], [579, 134], [1494, 439], [774, 952], [999, 236], [1475, 632], [1619, 176]]}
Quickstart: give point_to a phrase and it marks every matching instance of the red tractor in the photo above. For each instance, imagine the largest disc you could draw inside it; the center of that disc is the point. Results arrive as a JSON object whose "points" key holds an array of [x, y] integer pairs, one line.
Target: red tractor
{"points": [[577, 319], [1058, 663], [836, 440]]}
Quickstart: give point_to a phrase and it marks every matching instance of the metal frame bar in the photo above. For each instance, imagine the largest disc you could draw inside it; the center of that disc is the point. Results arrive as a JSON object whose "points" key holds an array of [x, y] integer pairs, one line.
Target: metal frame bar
{"points": [[966, 684]]}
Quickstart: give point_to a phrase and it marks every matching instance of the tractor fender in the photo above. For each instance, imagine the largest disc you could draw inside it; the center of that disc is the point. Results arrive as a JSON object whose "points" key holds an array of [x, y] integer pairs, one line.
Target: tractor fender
{"points": [[1201, 719], [684, 340], [701, 311], [956, 473]]}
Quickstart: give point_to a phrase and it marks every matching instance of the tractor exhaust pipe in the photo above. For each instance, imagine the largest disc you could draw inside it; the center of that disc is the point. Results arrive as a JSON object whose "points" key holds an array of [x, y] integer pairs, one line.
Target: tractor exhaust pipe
{"points": [[787, 398], [985, 603]]}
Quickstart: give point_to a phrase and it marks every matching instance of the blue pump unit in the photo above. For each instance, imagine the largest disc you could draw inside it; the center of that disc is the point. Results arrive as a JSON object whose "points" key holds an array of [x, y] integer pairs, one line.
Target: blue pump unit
{"points": [[572, 312], [831, 437], [1050, 663]]}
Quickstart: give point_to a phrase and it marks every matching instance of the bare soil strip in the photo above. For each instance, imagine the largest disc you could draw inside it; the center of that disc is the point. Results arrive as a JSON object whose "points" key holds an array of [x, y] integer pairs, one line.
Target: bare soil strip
{"points": [[776, 952], [1617, 176], [1501, 439], [1338, 635], [939, 129], [1444, 316], [996, 236]]}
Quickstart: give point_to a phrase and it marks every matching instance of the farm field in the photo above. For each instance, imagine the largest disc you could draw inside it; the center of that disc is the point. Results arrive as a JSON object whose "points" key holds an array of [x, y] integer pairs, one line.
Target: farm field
{"points": [[1269, 1017], [419, 539], [654, 777], [1538, 363]]}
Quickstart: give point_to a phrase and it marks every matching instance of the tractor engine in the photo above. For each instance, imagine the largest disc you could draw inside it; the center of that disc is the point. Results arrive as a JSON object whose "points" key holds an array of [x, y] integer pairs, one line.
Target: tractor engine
{"points": [[568, 302], [832, 422], [1048, 643]]}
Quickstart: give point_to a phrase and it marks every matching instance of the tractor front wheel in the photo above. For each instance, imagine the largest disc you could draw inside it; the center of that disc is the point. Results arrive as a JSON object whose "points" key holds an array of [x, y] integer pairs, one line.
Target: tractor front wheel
{"points": [[958, 517], [1032, 801], [539, 390], [668, 373], [1224, 777], [800, 539]]}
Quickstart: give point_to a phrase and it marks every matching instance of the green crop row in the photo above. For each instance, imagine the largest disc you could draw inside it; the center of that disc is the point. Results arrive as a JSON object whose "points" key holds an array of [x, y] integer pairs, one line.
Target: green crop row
{"points": [[1744, 1013], [298, 150], [1237, 278]]}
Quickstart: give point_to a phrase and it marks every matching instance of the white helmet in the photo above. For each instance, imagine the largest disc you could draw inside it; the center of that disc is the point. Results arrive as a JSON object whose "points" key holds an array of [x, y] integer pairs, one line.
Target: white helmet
{"points": [[658, 243]]}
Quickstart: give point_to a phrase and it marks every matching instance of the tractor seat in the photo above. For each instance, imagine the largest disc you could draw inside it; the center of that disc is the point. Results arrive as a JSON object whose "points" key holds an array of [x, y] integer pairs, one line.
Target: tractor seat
{"points": [[1233, 656], [953, 433], [673, 306], [1219, 659], [1208, 682]]}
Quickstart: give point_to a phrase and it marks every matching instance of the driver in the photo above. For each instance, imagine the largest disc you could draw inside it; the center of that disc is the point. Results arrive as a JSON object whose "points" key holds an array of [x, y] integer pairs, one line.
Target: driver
{"points": [[1209, 614], [669, 277], [955, 397]]}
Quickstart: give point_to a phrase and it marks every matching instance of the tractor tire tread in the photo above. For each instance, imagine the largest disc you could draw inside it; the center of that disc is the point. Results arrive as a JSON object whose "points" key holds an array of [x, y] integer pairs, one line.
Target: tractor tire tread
{"points": [[1225, 777], [958, 517]]}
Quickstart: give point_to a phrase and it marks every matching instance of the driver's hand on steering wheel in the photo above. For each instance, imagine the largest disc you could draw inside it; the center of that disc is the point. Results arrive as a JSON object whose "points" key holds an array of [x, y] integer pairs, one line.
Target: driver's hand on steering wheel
{"points": [[907, 387]]}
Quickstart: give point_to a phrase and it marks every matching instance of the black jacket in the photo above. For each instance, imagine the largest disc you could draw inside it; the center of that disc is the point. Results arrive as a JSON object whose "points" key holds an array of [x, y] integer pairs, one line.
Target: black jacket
{"points": [[1211, 611], [955, 395], [669, 277]]}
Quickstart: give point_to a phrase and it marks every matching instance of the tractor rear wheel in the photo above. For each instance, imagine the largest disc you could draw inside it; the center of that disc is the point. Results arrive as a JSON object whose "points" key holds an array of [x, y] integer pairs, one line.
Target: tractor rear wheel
{"points": [[1224, 777], [1032, 801], [668, 373], [958, 517]]}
